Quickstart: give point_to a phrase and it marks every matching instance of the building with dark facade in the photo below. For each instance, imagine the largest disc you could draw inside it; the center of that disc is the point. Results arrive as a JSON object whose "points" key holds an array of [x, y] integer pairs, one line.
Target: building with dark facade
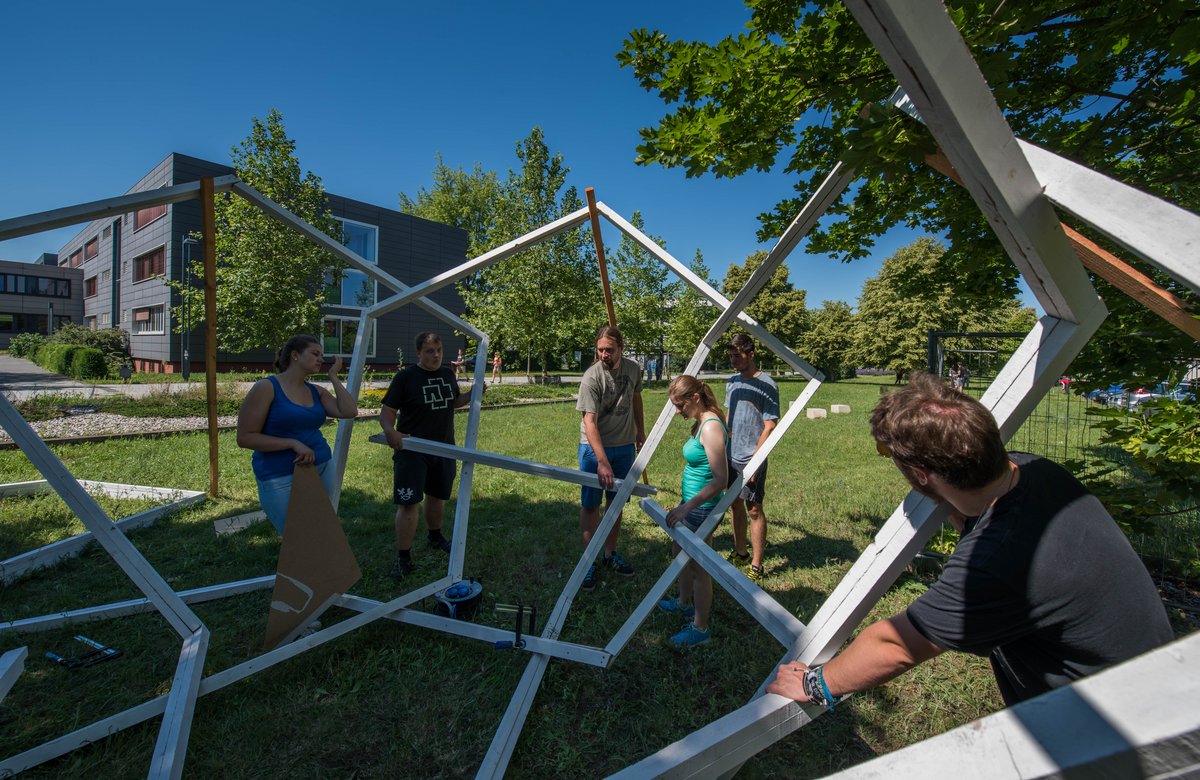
{"points": [[122, 265], [36, 296]]}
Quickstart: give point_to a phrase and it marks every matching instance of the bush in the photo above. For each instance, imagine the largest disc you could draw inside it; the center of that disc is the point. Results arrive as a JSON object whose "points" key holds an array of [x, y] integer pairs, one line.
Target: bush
{"points": [[89, 363], [113, 342], [25, 344], [56, 357]]}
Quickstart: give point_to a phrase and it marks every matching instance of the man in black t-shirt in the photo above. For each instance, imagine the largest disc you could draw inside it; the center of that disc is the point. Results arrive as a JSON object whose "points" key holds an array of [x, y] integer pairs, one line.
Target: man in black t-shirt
{"points": [[1042, 580], [420, 402]]}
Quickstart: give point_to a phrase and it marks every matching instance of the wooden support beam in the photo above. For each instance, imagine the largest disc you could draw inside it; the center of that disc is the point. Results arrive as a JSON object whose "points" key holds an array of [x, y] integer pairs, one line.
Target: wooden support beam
{"points": [[594, 215], [209, 226], [1110, 268]]}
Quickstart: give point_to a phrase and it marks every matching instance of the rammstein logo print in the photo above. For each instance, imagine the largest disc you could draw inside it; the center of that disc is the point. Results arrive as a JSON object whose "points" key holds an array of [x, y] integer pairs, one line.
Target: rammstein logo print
{"points": [[438, 393], [404, 494]]}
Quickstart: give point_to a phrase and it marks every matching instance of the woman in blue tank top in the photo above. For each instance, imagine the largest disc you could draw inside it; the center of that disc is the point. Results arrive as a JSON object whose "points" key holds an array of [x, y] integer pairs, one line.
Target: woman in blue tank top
{"points": [[705, 475], [281, 419]]}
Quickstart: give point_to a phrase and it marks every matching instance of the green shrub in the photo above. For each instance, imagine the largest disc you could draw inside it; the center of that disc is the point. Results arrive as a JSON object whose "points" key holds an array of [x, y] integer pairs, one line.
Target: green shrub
{"points": [[57, 357], [25, 345], [89, 363], [113, 342]]}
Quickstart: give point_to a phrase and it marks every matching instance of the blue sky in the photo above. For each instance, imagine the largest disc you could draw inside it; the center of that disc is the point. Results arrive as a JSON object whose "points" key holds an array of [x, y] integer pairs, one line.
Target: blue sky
{"points": [[96, 94]]}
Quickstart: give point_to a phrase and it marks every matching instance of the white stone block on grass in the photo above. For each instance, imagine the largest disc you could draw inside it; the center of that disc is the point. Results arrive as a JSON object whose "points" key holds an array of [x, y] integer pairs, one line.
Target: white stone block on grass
{"points": [[816, 414], [839, 409]]}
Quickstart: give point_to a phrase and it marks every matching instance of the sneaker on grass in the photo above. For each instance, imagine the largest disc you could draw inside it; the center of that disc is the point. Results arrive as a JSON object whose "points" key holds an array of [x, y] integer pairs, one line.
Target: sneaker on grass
{"points": [[589, 579], [400, 569], [672, 607], [618, 565], [740, 561], [440, 543], [756, 573], [691, 636]]}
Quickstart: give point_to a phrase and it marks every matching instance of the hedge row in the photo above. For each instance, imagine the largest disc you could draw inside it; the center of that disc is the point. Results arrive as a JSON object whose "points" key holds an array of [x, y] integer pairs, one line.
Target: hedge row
{"points": [[72, 360]]}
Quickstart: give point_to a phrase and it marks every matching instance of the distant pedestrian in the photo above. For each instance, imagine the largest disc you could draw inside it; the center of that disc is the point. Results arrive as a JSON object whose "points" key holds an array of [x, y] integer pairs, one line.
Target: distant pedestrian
{"points": [[458, 364], [651, 366], [281, 421], [497, 373], [658, 361]]}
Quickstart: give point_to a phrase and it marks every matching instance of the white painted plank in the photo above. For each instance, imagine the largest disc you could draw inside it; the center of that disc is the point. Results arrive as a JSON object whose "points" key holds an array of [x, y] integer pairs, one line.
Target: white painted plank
{"points": [[1160, 233], [454, 452], [170, 749], [1093, 728], [12, 664], [107, 208], [133, 606], [139, 571], [925, 52]]}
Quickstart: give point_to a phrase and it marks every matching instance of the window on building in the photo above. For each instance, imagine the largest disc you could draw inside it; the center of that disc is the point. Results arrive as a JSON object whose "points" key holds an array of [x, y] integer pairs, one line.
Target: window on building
{"points": [[105, 276], [338, 336], [355, 288], [91, 249], [107, 232], [89, 287], [149, 265], [91, 322], [76, 258], [8, 323], [104, 319], [149, 320], [147, 215]]}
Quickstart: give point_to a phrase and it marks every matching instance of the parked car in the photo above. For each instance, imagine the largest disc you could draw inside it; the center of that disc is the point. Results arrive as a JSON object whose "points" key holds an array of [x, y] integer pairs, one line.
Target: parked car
{"points": [[1108, 395], [1184, 391], [1140, 396]]}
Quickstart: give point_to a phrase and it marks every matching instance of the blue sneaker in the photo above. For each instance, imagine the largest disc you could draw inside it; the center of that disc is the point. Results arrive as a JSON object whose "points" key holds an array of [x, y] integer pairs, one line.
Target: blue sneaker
{"points": [[690, 636], [589, 579], [672, 606]]}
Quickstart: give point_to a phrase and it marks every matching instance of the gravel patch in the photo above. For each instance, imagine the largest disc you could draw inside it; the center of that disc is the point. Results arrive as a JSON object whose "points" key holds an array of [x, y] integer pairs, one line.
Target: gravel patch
{"points": [[105, 424]]}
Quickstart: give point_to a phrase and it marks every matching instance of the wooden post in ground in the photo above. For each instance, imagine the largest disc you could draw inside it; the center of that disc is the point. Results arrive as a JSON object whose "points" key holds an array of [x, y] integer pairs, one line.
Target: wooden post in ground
{"points": [[208, 212], [590, 193]]}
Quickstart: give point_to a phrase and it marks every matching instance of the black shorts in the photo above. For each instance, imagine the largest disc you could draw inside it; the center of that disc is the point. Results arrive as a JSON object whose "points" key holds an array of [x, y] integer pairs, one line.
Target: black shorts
{"points": [[415, 474], [756, 492]]}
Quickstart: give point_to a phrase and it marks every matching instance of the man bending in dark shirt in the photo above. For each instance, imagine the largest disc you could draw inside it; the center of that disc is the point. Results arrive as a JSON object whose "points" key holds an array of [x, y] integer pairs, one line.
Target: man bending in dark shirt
{"points": [[1042, 581]]}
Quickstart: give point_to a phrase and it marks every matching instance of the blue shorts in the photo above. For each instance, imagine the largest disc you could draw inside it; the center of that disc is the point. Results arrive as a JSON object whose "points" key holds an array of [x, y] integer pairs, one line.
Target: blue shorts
{"points": [[621, 460], [273, 494], [696, 517]]}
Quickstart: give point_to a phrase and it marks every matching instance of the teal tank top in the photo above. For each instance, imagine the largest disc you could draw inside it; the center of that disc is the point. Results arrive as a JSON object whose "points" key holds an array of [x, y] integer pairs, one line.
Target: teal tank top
{"points": [[696, 470]]}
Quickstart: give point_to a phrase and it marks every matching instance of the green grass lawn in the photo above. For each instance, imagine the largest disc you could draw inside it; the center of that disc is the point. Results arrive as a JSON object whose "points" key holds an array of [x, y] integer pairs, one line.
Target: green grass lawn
{"points": [[392, 700]]}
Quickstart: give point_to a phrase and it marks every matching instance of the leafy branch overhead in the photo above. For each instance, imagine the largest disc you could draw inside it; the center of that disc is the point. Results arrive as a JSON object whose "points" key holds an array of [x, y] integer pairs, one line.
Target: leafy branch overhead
{"points": [[1110, 85]]}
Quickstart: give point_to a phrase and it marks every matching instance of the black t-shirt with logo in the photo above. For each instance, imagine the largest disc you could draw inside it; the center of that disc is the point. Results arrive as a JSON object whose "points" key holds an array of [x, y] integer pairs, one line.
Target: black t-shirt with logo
{"points": [[424, 401], [1046, 584]]}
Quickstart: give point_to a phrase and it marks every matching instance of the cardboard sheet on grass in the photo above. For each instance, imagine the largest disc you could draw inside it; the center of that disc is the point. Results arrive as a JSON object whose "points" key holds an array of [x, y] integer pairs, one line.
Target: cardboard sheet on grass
{"points": [[316, 563]]}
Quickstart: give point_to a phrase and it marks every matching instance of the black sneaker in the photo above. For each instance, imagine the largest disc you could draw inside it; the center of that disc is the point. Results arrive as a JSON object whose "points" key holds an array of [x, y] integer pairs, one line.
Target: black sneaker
{"points": [[400, 569], [618, 565], [589, 579], [440, 543]]}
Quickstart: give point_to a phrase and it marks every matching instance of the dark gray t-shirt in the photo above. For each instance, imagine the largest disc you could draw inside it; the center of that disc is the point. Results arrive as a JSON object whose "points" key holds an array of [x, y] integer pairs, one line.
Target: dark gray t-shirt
{"points": [[750, 403], [1045, 584]]}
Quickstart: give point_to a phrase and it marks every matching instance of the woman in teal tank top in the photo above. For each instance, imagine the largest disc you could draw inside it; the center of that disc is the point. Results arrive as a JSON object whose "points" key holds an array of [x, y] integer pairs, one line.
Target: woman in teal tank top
{"points": [[705, 475]]}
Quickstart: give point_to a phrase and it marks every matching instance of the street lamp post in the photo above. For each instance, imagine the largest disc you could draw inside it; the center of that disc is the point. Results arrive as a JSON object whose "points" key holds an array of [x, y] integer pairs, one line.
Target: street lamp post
{"points": [[185, 333]]}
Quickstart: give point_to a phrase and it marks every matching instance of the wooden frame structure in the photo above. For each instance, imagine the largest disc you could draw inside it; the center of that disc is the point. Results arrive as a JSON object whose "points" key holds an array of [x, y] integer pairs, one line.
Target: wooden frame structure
{"points": [[1014, 186]]}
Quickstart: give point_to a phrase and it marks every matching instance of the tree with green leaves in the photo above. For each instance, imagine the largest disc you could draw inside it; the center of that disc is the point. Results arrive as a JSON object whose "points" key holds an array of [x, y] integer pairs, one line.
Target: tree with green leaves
{"points": [[690, 315], [271, 281], [1110, 85], [641, 292], [546, 299], [827, 344], [779, 307], [466, 200], [913, 294]]}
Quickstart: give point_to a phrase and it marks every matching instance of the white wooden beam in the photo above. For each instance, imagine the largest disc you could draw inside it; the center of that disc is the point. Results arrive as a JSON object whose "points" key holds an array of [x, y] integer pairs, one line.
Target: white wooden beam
{"points": [[12, 664], [1159, 232], [925, 52], [1093, 728], [484, 458], [107, 208], [170, 749], [133, 606]]}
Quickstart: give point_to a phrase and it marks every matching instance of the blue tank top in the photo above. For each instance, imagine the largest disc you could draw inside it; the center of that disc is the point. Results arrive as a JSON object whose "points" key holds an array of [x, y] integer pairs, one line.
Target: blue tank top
{"points": [[697, 472], [289, 420]]}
